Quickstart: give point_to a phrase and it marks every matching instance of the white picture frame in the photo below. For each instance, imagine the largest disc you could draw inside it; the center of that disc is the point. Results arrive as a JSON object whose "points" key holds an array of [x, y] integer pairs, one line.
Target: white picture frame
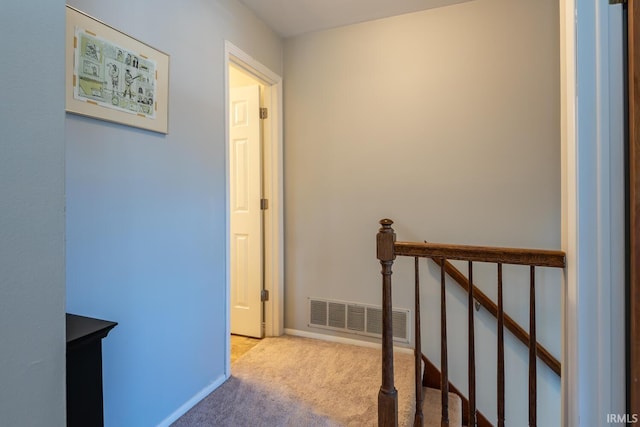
{"points": [[114, 77]]}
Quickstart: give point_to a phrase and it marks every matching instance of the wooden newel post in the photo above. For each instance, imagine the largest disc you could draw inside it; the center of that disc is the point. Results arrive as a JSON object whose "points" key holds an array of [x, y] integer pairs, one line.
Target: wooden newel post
{"points": [[388, 395]]}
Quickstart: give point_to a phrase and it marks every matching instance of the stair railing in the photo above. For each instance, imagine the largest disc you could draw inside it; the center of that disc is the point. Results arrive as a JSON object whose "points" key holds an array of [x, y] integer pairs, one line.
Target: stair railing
{"points": [[387, 249], [492, 308]]}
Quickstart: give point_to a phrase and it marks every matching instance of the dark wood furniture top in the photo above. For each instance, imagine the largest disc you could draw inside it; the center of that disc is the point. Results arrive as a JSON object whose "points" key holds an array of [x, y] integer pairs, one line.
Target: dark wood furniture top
{"points": [[82, 329]]}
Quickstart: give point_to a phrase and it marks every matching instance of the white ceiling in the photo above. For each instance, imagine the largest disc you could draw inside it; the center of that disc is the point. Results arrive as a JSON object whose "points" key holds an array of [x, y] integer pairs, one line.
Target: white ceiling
{"points": [[294, 17]]}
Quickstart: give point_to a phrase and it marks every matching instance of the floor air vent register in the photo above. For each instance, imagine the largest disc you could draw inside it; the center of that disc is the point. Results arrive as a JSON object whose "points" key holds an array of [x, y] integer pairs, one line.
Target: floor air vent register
{"points": [[359, 319]]}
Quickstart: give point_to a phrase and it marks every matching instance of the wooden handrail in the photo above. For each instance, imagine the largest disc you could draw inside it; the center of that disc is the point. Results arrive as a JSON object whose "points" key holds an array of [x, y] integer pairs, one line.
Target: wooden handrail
{"points": [[532, 257], [492, 308]]}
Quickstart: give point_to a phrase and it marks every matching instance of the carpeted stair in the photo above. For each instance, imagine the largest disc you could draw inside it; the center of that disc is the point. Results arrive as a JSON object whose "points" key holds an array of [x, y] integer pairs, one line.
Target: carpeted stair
{"points": [[432, 409]]}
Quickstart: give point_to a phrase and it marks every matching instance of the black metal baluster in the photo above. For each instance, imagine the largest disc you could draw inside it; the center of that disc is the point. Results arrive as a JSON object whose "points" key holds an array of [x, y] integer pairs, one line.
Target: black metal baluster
{"points": [[532, 351], [472, 353], [444, 378], [501, 402], [419, 417]]}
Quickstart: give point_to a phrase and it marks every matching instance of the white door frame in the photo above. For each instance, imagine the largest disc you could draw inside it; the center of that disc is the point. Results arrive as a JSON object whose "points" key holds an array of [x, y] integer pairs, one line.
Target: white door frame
{"points": [[273, 191], [593, 214]]}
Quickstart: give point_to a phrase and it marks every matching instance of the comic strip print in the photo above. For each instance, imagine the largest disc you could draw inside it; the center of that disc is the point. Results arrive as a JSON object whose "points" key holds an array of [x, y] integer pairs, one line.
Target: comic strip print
{"points": [[113, 77]]}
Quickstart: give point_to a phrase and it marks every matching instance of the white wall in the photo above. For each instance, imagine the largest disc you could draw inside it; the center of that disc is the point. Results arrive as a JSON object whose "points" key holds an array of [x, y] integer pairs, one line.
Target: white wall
{"points": [[32, 290], [146, 213], [448, 122]]}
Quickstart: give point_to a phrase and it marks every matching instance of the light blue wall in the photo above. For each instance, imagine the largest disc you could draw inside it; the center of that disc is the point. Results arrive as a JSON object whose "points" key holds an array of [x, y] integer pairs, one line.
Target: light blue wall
{"points": [[32, 345], [146, 212]]}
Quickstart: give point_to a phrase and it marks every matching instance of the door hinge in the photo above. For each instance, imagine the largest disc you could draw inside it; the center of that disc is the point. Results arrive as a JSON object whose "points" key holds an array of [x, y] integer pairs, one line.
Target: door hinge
{"points": [[617, 1], [264, 112], [264, 204], [264, 295]]}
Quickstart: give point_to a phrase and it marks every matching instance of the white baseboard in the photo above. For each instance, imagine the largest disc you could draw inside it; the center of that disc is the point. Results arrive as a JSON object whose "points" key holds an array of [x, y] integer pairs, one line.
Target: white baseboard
{"points": [[192, 402], [342, 340]]}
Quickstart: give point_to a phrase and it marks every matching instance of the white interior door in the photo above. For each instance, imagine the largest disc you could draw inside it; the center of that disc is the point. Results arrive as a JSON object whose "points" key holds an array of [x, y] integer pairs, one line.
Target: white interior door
{"points": [[245, 167]]}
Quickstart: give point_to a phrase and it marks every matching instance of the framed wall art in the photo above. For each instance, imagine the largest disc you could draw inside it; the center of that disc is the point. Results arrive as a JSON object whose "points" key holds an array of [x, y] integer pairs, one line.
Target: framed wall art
{"points": [[114, 77]]}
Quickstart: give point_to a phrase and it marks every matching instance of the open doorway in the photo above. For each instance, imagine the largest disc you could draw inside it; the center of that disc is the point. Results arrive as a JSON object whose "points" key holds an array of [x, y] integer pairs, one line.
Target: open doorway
{"points": [[254, 246]]}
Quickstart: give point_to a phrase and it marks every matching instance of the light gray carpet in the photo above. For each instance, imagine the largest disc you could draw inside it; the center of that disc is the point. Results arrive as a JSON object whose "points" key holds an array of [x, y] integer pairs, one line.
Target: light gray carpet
{"points": [[292, 381]]}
